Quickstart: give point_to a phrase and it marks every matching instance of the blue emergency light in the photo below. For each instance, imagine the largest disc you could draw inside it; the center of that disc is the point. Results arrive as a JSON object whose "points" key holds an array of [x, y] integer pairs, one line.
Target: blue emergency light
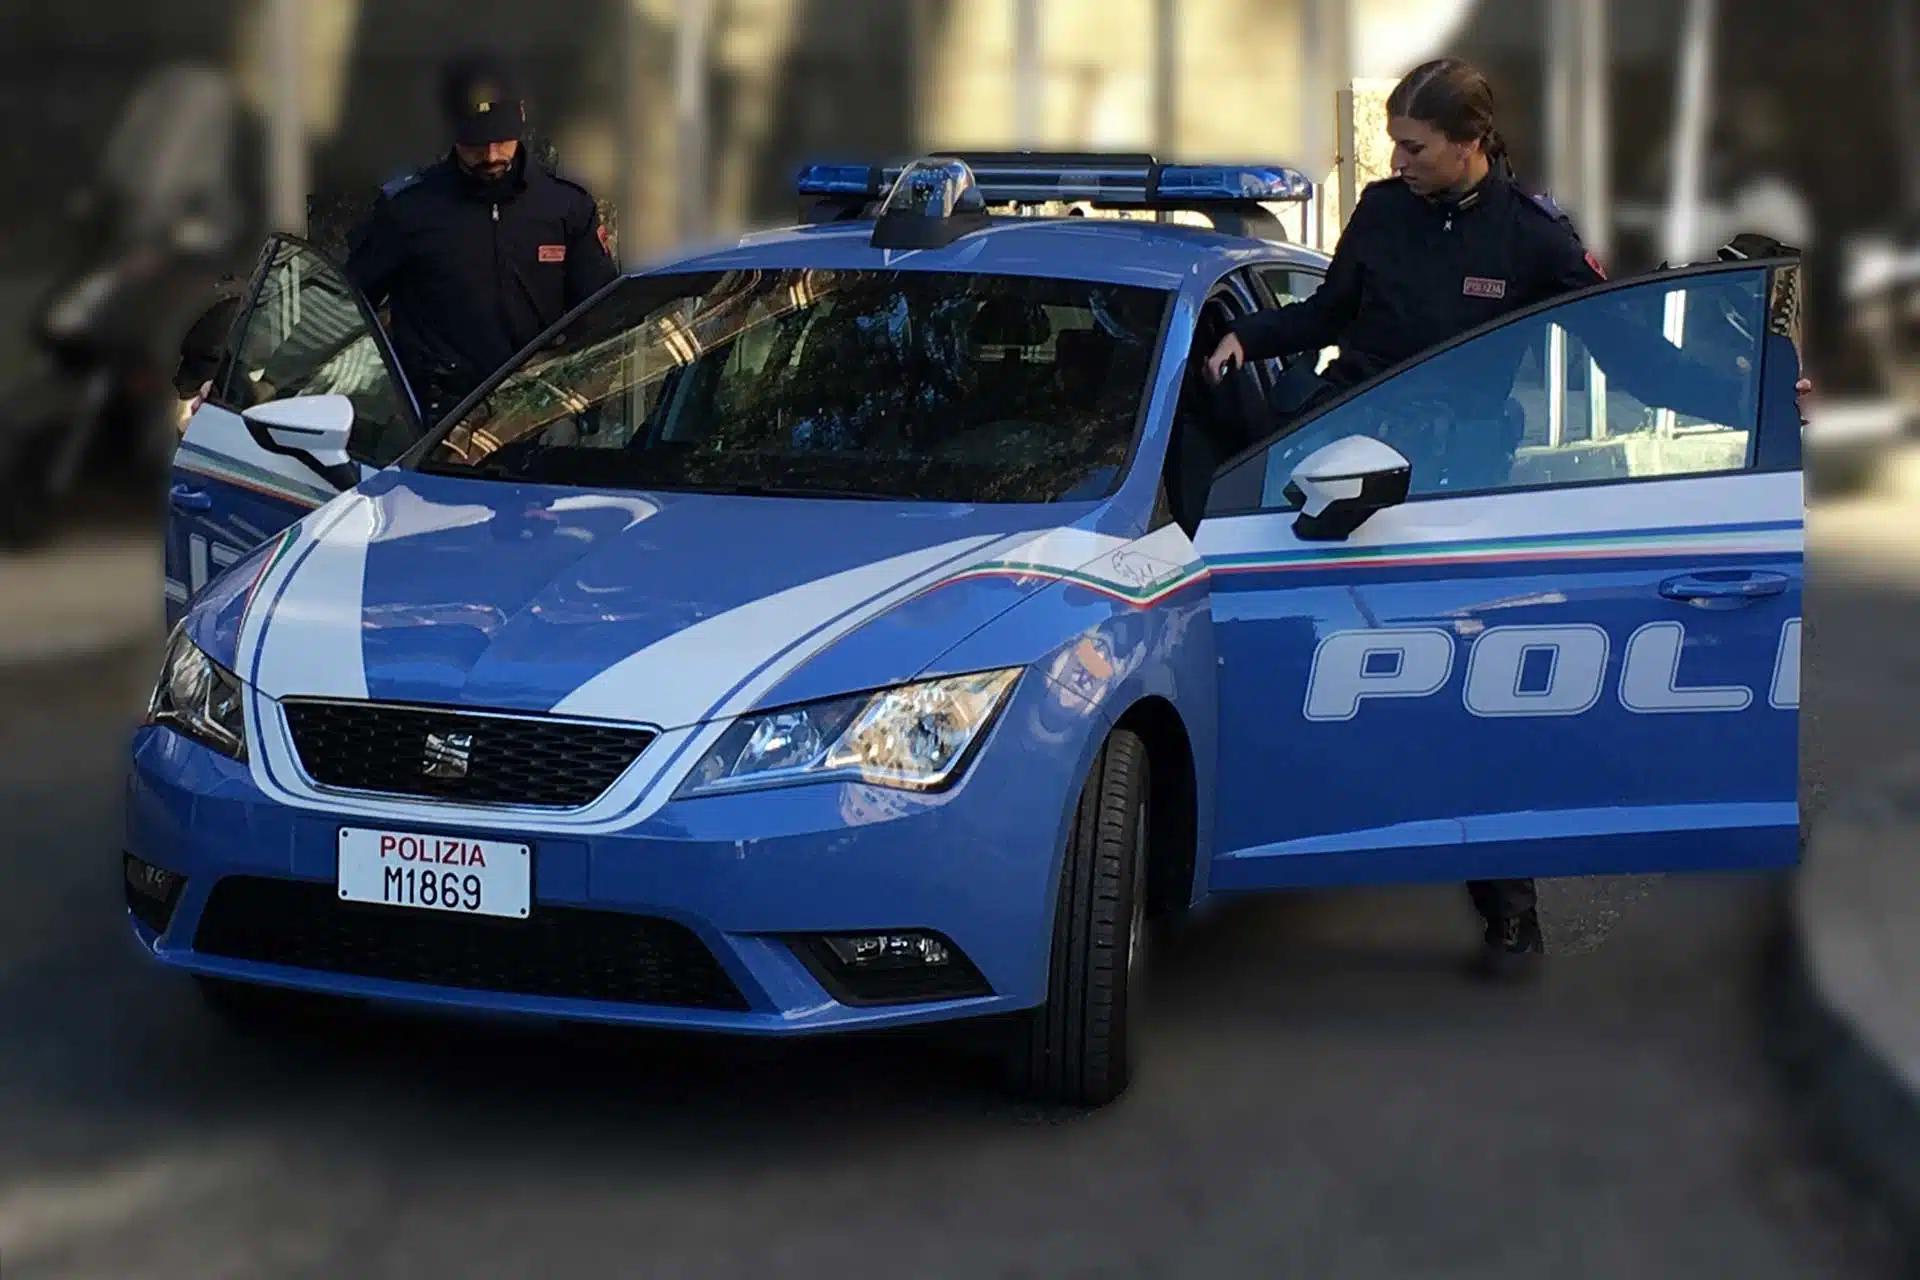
{"points": [[839, 180], [1184, 183], [945, 193]]}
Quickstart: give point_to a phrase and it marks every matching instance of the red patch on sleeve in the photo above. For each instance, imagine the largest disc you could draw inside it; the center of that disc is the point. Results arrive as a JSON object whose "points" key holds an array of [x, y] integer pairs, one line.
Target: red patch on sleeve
{"points": [[553, 253], [1595, 264]]}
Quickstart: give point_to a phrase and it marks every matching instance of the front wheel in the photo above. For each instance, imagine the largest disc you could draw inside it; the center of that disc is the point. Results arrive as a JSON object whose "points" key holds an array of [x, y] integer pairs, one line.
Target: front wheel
{"points": [[1079, 1048]]}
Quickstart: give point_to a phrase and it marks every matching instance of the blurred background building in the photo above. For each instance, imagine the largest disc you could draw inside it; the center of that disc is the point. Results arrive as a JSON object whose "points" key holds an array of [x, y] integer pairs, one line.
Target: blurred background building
{"points": [[691, 115]]}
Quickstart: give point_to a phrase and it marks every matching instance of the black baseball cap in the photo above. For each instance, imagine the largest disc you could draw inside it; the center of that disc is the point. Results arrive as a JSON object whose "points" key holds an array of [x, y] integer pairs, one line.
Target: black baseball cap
{"points": [[482, 100]]}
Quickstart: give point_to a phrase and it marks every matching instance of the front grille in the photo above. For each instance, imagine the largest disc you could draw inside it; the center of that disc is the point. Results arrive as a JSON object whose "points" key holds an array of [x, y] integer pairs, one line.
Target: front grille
{"points": [[370, 746], [563, 952]]}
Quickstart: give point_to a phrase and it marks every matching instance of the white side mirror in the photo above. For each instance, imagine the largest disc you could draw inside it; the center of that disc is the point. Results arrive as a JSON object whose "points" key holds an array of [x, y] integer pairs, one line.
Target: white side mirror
{"points": [[1337, 487], [317, 426]]}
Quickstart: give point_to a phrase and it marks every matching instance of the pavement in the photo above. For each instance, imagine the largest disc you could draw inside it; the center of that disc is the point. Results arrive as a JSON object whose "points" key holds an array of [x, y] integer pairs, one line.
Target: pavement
{"points": [[1845, 1026]]}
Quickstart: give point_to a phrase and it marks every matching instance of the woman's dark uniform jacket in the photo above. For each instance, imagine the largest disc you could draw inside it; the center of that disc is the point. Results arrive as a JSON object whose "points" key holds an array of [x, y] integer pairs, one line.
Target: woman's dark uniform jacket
{"points": [[1411, 274]]}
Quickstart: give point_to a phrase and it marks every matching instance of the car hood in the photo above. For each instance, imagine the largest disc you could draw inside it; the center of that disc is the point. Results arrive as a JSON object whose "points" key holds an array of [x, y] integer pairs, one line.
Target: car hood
{"points": [[663, 608]]}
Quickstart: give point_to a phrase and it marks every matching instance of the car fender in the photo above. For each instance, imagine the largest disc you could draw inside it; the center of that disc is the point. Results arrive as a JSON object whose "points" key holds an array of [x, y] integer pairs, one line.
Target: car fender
{"points": [[1134, 626]]}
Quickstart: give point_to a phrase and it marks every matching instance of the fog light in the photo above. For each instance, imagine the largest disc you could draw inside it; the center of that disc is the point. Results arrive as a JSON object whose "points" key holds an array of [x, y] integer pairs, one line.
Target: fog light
{"points": [[890, 950], [890, 968], [152, 892]]}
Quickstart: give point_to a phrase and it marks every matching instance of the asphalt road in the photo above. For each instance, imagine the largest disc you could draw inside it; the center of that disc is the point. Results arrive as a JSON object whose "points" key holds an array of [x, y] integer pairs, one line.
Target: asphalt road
{"points": [[1323, 1096]]}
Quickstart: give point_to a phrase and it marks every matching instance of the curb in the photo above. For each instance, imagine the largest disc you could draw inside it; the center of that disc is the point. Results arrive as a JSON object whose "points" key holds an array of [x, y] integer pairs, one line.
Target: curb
{"points": [[1858, 1104]]}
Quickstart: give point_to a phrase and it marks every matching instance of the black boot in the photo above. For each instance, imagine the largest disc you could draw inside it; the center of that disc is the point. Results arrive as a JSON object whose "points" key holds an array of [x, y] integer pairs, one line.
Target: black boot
{"points": [[1512, 951]]}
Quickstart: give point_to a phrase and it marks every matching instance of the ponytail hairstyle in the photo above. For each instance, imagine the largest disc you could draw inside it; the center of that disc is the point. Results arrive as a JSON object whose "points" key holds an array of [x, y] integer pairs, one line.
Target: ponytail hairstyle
{"points": [[1450, 94], [1496, 149]]}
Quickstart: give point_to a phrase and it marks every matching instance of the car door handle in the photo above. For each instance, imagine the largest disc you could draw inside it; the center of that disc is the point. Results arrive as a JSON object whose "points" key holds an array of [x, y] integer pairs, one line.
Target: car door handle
{"points": [[189, 499], [1730, 586]]}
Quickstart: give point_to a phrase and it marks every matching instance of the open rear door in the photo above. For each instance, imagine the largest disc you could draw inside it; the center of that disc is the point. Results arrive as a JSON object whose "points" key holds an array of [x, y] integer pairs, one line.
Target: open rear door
{"points": [[303, 331]]}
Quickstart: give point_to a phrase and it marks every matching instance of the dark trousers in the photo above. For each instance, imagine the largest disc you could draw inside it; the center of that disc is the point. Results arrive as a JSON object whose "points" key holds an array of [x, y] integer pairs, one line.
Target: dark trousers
{"points": [[1498, 900]]}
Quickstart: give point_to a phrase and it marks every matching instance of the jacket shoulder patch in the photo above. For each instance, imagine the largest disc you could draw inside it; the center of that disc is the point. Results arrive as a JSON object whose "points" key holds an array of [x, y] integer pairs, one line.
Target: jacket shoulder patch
{"points": [[1549, 206]]}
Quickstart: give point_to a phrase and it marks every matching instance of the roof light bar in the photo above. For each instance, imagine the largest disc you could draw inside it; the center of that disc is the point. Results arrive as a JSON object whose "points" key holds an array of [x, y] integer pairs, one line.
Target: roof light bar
{"points": [[1264, 183], [1116, 181]]}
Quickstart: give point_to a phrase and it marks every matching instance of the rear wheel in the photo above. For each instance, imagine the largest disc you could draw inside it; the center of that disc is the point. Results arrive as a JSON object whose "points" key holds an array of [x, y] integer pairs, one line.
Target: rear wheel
{"points": [[1079, 1047]]}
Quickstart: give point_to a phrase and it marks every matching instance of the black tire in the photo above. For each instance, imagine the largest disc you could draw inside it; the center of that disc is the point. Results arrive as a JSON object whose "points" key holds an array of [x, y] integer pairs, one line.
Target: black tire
{"points": [[1078, 1049]]}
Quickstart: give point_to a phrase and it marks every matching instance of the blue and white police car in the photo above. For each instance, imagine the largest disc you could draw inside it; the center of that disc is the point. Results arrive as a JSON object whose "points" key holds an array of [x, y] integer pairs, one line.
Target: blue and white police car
{"points": [[882, 620]]}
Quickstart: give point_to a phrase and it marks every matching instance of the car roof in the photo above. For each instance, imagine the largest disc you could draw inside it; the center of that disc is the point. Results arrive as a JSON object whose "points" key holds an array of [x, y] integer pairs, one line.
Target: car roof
{"points": [[1160, 255]]}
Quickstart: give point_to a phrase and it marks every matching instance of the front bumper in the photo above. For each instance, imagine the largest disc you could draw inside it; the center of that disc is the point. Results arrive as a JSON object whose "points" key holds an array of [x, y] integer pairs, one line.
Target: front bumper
{"points": [[707, 915]]}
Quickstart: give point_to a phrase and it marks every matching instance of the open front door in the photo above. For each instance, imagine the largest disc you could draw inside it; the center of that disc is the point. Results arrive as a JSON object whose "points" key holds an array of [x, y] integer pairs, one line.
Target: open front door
{"points": [[304, 331], [1553, 629]]}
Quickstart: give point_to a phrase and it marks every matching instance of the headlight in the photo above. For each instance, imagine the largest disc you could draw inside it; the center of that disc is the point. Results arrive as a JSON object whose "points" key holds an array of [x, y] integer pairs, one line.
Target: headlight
{"points": [[915, 736], [200, 698]]}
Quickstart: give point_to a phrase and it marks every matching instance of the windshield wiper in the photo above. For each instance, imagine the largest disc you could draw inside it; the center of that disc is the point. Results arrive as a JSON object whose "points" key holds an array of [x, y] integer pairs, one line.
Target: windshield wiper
{"points": [[492, 467], [783, 491]]}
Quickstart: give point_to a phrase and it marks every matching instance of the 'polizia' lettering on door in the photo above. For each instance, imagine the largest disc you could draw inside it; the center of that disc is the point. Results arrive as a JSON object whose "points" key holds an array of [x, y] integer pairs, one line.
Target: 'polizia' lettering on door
{"points": [[1533, 671]]}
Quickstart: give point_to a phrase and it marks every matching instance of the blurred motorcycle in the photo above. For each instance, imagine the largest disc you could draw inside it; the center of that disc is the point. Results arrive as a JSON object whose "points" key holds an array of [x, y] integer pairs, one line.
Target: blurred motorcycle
{"points": [[156, 241]]}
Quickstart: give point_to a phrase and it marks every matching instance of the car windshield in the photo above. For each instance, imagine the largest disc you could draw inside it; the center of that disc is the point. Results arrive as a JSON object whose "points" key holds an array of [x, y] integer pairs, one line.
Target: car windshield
{"points": [[942, 386]]}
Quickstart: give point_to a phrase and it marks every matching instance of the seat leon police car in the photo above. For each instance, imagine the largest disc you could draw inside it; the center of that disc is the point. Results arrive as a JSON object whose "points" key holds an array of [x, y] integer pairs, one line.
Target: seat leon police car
{"points": [[881, 621]]}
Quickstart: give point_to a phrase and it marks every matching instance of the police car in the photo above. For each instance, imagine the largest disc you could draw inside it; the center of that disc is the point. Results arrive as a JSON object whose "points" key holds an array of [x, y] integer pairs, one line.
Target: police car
{"points": [[881, 621]]}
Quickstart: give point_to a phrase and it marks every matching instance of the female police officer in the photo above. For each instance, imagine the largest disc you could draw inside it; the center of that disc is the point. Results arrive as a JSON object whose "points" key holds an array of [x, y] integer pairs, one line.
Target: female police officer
{"points": [[1448, 243]]}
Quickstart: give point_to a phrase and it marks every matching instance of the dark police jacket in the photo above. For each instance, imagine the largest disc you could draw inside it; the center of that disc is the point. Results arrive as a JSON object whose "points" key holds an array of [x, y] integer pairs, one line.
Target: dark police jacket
{"points": [[474, 270], [1410, 273]]}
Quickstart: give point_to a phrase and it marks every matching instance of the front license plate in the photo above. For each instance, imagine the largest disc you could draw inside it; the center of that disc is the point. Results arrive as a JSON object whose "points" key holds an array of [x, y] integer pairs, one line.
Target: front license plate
{"points": [[436, 873]]}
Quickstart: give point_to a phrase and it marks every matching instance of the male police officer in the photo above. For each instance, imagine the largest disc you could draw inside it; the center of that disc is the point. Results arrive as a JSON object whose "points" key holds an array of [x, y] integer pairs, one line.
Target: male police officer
{"points": [[477, 254]]}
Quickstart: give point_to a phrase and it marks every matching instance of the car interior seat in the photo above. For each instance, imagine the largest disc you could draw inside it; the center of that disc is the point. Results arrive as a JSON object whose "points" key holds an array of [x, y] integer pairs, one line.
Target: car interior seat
{"points": [[1003, 330], [1083, 359]]}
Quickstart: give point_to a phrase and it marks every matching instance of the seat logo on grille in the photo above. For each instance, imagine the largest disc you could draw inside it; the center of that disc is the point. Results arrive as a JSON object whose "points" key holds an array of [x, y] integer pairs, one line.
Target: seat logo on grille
{"points": [[447, 755]]}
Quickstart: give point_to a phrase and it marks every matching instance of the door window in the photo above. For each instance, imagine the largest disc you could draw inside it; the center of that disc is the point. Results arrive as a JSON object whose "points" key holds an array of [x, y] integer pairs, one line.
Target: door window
{"points": [[1291, 286], [1654, 380], [307, 335], [1288, 285]]}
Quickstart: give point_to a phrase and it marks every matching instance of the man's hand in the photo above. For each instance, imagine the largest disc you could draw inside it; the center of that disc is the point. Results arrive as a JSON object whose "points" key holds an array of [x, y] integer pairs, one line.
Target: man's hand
{"points": [[1228, 355], [1802, 390]]}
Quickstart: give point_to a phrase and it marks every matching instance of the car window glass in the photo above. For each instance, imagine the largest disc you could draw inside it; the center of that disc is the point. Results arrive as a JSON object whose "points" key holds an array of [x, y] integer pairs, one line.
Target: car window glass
{"points": [[913, 384], [306, 337], [1654, 380], [1290, 285]]}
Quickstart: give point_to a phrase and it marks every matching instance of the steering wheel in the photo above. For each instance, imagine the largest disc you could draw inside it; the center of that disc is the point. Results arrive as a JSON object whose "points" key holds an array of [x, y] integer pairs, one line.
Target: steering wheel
{"points": [[1235, 408]]}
